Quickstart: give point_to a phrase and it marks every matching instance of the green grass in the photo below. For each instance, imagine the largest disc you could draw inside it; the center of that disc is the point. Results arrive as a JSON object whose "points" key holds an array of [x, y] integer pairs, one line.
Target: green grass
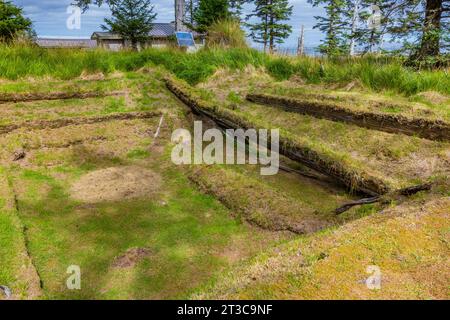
{"points": [[14, 262], [9, 233], [376, 74], [188, 233], [333, 264], [390, 158], [183, 232], [416, 106]]}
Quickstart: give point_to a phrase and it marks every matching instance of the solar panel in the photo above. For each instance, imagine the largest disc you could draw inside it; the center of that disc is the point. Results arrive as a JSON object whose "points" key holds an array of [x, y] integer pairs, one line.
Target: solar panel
{"points": [[185, 39]]}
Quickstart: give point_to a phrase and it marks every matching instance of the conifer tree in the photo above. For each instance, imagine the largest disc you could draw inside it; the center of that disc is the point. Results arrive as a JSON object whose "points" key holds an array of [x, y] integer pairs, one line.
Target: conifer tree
{"points": [[424, 27], [132, 19], [210, 11], [333, 26], [270, 27], [236, 7], [366, 24], [12, 22], [191, 7]]}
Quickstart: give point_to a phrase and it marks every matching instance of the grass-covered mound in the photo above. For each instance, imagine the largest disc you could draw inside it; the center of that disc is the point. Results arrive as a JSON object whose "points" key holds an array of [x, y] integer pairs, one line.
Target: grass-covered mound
{"points": [[362, 159], [406, 245]]}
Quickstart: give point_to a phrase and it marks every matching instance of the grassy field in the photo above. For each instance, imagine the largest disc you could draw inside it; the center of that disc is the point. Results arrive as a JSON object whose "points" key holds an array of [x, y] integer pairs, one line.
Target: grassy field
{"points": [[396, 160], [375, 74], [184, 237], [104, 195], [407, 243]]}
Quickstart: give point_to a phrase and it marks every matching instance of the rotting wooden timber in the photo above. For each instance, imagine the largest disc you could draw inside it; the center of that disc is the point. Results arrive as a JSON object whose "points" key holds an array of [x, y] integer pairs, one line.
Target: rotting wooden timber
{"points": [[64, 122], [406, 192], [30, 97], [424, 128], [355, 181]]}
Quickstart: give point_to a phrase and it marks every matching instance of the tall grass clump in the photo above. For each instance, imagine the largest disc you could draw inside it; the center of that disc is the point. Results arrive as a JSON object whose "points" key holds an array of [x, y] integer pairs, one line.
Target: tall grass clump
{"points": [[374, 73], [226, 34], [197, 67], [24, 60], [377, 74]]}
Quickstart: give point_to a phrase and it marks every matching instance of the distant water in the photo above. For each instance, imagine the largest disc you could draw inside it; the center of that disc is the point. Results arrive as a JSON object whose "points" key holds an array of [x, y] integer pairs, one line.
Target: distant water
{"points": [[314, 51]]}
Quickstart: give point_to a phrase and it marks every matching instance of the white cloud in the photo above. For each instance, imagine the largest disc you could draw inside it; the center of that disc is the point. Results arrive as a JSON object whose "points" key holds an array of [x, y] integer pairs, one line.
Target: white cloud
{"points": [[49, 17]]}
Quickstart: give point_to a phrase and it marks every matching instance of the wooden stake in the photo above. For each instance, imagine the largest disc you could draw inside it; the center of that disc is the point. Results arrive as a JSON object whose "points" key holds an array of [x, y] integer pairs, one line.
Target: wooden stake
{"points": [[301, 42]]}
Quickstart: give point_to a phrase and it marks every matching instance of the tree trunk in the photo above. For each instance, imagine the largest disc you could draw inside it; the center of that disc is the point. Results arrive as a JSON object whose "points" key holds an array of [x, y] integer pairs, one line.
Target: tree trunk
{"points": [[266, 32], [271, 35], [354, 26], [180, 6], [430, 44], [134, 45]]}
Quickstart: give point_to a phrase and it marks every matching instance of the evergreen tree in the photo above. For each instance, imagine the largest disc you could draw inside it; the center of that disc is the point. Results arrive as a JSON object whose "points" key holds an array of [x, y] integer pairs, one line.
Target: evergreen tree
{"points": [[333, 26], [210, 11], [191, 7], [270, 29], [132, 19], [12, 22], [84, 4], [236, 7], [423, 25], [366, 24]]}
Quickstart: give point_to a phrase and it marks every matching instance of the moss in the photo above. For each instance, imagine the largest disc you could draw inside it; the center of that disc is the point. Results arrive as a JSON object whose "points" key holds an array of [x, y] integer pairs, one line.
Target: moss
{"points": [[404, 242]]}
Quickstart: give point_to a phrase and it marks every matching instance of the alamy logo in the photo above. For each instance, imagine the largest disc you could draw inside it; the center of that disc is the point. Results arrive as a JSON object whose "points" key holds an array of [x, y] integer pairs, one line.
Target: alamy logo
{"points": [[231, 151], [374, 281], [73, 22], [74, 280], [374, 21]]}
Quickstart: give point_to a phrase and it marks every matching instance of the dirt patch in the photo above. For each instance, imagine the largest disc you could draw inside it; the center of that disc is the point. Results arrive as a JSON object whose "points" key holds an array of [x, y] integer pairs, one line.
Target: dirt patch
{"points": [[434, 97], [131, 257], [115, 184], [224, 81], [92, 76], [354, 86]]}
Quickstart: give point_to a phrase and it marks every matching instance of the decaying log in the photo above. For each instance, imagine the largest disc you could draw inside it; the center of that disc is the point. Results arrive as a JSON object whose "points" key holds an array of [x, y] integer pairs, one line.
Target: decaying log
{"points": [[415, 189], [29, 97], [18, 155], [352, 204], [406, 192], [64, 122]]}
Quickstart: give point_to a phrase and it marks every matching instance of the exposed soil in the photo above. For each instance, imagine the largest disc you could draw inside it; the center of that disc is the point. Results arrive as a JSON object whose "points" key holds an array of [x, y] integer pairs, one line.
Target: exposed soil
{"points": [[434, 130], [92, 77], [116, 184], [131, 257], [434, 97]]}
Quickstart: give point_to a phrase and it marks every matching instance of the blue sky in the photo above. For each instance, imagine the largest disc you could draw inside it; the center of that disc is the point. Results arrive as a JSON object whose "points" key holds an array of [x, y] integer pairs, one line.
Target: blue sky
{"points": [[49, 18]]}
